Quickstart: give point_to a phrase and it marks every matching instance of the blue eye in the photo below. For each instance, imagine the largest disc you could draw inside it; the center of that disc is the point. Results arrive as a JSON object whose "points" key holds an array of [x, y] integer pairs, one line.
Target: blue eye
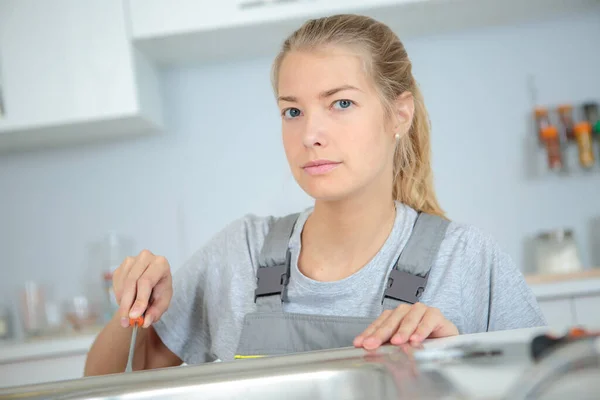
{"points": [[343, 104], [291, 113]]}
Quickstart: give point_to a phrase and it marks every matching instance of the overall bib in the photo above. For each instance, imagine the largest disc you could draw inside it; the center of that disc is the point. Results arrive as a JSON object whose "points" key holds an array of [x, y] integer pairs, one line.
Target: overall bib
{"points": [[271, 331]]}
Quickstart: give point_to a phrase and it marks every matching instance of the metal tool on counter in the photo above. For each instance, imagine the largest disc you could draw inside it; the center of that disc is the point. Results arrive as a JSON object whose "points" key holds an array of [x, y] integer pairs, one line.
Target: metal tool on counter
{"points": [[458, 352], [567, 357], [135, 322], [544, 344]]}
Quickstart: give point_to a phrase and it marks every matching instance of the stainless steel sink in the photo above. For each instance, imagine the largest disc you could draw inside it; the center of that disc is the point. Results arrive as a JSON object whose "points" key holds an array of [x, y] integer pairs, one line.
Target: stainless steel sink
{"points": [[345, 374]]}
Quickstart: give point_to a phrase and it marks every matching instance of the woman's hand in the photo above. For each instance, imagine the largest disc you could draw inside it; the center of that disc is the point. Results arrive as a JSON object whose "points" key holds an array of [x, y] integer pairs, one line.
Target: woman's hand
{"points": [[143, 286], [407, 323]]}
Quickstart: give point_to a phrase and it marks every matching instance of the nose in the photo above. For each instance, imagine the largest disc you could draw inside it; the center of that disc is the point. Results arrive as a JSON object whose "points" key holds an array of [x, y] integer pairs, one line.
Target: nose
{"points": [[314, 131]]}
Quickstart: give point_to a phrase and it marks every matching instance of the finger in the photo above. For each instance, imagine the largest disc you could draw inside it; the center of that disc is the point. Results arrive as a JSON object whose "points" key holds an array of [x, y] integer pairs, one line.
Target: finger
{"points": [[432, 319], [387, 329], [158, 306], [130, 285], [434, 324], [409, 323], [358, 341], [154, 273], [118, 277]]}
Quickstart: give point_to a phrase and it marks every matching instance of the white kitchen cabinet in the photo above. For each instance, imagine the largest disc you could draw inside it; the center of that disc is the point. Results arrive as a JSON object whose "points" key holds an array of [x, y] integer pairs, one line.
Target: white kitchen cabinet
{"points": [[149, 18], [184, 31], [587, 311], [558, 312], [70, 74], [568, 300], [43, 360], [58, 368]]}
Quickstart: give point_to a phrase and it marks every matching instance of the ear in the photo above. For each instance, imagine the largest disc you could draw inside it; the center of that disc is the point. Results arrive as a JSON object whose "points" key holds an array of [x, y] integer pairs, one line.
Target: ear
{"points": [[404, 109]]}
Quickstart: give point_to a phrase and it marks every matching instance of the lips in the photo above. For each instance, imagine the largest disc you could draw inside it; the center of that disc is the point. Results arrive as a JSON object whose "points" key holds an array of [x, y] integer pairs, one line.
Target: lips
{"points": [[317, 163], [320, 167]]}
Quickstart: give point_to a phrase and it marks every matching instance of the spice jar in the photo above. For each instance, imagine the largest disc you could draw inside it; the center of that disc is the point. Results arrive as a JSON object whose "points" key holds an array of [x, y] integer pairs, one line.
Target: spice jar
{"points": [[583, 133], [552, 141], [565, 112], [556, 252], [591, 114], [542, 120]]}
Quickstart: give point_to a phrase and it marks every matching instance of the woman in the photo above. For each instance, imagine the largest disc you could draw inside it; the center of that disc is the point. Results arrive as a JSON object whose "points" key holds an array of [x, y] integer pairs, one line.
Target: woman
{"points": [[373, 262]]}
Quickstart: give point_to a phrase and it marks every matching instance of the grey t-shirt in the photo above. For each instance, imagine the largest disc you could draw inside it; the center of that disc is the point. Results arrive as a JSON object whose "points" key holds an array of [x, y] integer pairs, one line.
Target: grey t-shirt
{"points": [[473, 282]]}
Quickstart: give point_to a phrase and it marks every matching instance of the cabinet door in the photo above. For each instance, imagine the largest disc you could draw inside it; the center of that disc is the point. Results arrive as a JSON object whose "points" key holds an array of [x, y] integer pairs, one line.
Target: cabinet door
{"points": [[587, 311], [281, 10], [558, 312], [64, 61], [155, 18]]}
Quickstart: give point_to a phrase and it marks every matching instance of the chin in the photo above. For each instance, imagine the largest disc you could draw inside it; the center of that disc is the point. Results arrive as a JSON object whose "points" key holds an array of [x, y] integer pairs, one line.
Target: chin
{"points": [[326, 191]]}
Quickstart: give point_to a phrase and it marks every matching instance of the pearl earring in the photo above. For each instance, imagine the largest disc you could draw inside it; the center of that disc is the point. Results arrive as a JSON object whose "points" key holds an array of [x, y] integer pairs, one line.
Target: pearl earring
{"points": [[397, 137]]}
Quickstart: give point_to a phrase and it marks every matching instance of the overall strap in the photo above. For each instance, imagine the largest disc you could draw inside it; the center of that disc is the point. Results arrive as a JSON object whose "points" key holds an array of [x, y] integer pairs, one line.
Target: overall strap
{"points": [[274, 261], [406, 283], [408, 279]]}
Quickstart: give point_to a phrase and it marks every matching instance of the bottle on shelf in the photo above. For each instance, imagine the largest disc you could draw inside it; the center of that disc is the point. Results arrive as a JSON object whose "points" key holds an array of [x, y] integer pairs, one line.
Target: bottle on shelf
{"points": [[565, 113], [542, 120], [551, 140], [591, 115], [583, 133]]}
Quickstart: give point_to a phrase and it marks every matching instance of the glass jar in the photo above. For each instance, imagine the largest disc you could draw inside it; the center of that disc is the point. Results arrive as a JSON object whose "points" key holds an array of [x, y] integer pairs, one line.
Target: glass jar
{"points": [[5, 323], [33, 309], [557, 252], [115, 248], [81, 313]]}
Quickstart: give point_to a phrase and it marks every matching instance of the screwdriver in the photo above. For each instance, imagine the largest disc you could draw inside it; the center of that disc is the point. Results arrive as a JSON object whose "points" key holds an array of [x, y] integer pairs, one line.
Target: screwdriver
{"points": [[135, 322], [545, 343]]}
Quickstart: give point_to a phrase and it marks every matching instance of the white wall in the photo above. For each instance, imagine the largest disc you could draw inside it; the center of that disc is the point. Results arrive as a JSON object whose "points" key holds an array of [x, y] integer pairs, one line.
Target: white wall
{"points": [[222, 157]]}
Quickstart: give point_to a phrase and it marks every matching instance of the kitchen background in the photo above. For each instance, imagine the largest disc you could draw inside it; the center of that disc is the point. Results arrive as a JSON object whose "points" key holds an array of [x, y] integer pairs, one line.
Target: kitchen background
{"points": [[220, 157]]}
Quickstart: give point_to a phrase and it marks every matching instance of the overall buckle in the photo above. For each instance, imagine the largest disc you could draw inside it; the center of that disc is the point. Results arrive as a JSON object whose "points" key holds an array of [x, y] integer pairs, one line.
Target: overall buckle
{"points": [[271, 280], [406, 287]]}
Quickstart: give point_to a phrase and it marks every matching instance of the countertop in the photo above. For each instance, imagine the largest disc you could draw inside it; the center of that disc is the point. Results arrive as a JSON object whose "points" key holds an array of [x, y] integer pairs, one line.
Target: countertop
{"points": [[577, 284], [491, 379], [42, 348], [544, 286]]}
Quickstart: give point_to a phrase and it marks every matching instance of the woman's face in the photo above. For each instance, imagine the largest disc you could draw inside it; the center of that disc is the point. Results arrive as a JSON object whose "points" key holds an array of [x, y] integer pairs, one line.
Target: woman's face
{"points": [[335, 135]]}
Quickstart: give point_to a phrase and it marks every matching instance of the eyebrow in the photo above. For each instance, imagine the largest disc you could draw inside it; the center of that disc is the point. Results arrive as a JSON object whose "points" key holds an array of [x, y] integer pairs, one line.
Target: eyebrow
{"points": [[324, 94]]}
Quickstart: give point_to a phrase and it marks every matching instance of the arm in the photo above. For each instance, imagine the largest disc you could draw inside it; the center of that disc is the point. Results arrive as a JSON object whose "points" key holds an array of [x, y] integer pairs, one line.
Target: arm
{"points": [[110, 350], [142, 285], [190, 329], [512, 302], [495, 295]]}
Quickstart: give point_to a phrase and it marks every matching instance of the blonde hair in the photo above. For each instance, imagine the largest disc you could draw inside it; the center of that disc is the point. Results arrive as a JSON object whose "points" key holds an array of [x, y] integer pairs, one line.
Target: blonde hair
{"points": [[389, 66]]}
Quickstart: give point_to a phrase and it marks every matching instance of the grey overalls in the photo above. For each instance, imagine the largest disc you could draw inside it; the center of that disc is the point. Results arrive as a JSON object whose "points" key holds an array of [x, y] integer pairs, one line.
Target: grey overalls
{"points": [[270, 331]]}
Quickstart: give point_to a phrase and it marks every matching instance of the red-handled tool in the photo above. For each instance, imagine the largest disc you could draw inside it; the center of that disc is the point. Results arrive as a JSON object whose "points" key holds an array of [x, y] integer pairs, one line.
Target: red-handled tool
{"points": [[135, 322], [544, 344]]}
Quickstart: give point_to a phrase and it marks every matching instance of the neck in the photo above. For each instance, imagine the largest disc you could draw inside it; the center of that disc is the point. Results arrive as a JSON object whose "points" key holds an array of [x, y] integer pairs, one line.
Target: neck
{"points": [[340, 237]]}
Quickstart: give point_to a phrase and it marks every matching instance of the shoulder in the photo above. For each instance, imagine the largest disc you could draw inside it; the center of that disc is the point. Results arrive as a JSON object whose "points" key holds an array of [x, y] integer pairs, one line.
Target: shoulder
{"points": [[481, 262], [469, 241], [239, 242], [473, 254], [240, 239]]}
